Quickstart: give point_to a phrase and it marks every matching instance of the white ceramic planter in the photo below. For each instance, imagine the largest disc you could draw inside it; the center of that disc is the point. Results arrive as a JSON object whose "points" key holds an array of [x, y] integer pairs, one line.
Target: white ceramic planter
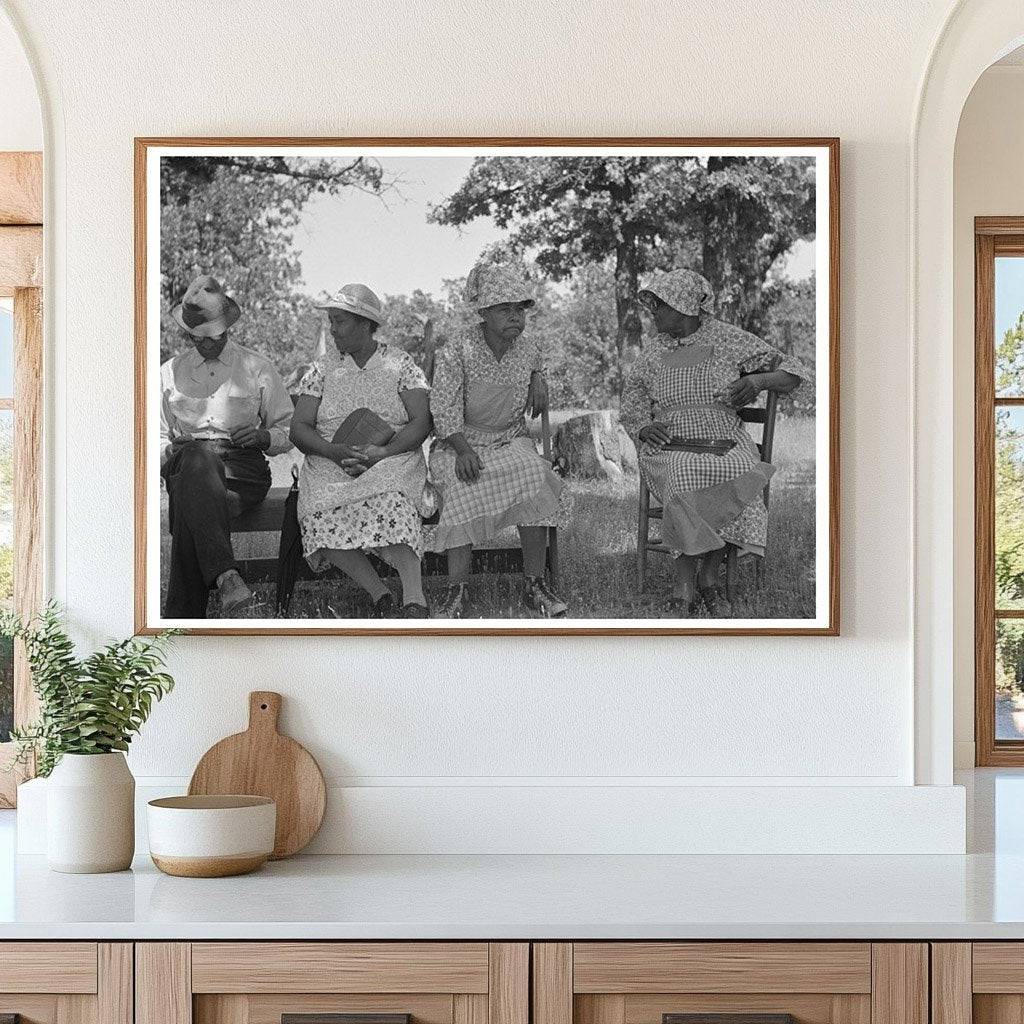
{"points": [[90, 814]]}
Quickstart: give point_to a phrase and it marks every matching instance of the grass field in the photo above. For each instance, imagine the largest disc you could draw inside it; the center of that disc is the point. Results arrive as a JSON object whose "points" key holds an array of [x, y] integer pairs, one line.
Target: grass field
{"points": [[598, 554]]}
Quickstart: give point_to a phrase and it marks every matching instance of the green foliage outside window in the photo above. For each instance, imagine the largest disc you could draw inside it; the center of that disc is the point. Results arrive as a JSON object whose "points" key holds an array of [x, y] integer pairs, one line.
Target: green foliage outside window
{"points": [[1009, 471]]}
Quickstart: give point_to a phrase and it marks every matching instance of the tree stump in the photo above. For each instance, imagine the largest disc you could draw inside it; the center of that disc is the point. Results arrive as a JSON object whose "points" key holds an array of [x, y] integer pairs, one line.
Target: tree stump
{"points": [[595, 446]]}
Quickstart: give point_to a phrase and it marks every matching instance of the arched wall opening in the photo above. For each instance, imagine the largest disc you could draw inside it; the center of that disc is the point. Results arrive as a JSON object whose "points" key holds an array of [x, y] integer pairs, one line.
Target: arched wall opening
{"points": [[986, 183], [976, 34]]}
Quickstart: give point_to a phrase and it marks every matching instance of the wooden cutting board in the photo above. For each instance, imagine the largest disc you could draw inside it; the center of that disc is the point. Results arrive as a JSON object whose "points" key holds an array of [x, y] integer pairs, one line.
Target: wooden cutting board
{"points": [[262, 762]]}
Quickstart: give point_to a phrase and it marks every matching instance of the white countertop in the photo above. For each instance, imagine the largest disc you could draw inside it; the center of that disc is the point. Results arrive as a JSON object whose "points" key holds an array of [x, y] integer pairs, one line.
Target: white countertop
{"points": [[532, 897], [978, 896]]}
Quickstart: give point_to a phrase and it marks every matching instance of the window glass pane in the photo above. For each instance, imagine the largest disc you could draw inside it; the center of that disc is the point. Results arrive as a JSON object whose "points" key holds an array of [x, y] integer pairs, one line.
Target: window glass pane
{"points": [[1009, 679], [1009, 320], [6, 349], [1009, 488], [6, 567]]}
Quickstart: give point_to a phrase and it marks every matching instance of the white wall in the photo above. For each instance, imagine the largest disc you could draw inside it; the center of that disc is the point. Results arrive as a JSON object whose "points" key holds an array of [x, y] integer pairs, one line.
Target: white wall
{"points": [[21, 125], [445, 713], [988, 181]]}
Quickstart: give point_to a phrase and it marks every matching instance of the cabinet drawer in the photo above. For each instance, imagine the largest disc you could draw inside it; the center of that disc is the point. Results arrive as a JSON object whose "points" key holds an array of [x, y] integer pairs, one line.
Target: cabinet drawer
{"points": [[998, 967], [747, 982], [340, 967], [261, 982], [48, 967], [634, 967]]}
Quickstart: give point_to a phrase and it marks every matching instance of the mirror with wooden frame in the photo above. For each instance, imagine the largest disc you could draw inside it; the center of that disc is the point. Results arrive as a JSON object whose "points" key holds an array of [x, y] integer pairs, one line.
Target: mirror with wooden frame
{"points": [[21, 358]]}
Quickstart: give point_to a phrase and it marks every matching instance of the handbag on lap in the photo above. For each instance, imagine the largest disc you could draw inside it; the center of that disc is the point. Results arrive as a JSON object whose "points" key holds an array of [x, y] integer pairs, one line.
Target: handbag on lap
{"points": [[363, 426], [699, 446]]}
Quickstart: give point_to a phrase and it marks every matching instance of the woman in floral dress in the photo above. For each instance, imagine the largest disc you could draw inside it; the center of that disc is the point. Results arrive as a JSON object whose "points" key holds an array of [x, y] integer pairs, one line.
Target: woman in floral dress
{"points": [[355, 499], [685, 388], [485, 464]]}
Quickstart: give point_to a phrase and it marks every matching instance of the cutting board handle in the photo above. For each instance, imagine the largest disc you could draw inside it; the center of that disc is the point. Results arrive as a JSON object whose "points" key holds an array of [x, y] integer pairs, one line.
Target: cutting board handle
{"points": [[264, 710]]}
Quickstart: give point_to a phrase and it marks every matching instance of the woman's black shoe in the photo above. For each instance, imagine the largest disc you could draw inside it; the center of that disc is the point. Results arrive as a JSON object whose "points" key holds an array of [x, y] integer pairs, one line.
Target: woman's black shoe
{"points": [[716, 602], [453, 604], [541, 598], [384, 607], [680, 607]]}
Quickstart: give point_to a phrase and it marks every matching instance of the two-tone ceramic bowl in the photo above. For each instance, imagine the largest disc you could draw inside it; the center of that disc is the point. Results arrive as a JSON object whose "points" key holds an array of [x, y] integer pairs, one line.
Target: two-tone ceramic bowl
{"points": [[211, 836]]}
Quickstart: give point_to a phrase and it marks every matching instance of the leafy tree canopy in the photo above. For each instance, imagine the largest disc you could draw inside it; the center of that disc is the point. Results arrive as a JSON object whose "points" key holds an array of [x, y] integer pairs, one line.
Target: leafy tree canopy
{"points": [[729, 217], [1009, 510], [234, 217], [1010, 360]]}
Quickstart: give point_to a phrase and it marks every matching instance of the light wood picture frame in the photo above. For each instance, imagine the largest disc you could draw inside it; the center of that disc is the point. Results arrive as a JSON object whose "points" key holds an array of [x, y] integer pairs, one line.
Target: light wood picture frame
{"points": [[817, 615]]}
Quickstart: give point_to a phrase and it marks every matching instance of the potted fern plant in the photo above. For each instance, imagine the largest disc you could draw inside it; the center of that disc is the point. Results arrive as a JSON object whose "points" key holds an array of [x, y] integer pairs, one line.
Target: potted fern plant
{"points": [[89, 710]]}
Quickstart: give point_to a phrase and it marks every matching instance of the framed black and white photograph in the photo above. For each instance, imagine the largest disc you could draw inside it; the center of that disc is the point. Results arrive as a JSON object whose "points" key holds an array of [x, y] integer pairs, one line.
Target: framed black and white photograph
{"points": [[496, 386]]}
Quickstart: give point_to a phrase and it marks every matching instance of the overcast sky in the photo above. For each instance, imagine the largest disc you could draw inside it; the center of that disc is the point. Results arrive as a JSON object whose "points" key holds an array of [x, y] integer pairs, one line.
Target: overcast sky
{"points": [[388, 244], [1009, 293], [6, 348]]}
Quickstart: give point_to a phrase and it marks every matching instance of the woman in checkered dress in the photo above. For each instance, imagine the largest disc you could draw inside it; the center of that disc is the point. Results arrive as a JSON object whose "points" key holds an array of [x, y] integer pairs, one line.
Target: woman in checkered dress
{"points": [[685, 389], [485, 464]]}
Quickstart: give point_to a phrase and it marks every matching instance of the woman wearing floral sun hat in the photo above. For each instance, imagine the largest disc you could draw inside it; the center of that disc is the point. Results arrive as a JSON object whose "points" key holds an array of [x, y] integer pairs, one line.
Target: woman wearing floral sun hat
{"points": [[357, 497], [485, 463], [683, 394]]}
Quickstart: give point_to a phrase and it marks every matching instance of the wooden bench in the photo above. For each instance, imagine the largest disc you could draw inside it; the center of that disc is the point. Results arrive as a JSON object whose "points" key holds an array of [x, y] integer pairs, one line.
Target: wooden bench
{"points": [[268, 517]]}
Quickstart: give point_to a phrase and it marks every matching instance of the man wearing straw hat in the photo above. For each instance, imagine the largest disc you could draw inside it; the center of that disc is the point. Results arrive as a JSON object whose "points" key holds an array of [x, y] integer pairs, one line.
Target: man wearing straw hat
{"points": [[224, 409]]}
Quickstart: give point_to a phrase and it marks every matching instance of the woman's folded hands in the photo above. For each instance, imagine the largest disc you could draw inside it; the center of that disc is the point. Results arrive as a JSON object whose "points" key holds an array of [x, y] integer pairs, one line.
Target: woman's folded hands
{"points": [[357, 459], [348, 459], [369, 454], [468, 465], [657, 434]]}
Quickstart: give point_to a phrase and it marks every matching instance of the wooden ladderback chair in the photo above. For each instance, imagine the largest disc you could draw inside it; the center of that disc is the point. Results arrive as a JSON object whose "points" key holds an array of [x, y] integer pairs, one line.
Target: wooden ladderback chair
{"points": [[766, 416], [545, 439]]}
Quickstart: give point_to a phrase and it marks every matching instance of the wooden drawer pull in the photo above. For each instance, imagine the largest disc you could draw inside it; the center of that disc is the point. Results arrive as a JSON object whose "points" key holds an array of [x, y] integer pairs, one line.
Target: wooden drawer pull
{"points": [[340, 1018], [727, 1018]]}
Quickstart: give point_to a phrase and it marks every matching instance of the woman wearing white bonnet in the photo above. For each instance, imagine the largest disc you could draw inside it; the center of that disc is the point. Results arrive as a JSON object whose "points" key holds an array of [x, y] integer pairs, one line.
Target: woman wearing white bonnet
{"points": [[486, 465], [680, 404]]}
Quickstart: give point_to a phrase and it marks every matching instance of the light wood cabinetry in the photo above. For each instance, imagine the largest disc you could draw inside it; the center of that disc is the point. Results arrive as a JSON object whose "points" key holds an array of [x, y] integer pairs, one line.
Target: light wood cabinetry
{"points": [[259, 982], [815, 982], [511, 982], [66, 982]]}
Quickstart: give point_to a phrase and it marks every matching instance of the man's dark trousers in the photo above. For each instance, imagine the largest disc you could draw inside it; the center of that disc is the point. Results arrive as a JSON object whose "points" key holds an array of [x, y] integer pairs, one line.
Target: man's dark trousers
{"points": [[200, 477]]}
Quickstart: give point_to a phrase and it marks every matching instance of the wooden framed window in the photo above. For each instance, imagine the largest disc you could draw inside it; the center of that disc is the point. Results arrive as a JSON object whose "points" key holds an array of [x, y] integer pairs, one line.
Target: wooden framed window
{"points": [[21, 408], [999, 490]]}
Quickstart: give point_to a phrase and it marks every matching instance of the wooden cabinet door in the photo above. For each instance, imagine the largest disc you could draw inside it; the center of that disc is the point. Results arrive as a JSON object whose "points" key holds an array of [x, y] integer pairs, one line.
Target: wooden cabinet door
{"points": [[66, 982], [264, 982], [979, 982], [748, 982]]}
